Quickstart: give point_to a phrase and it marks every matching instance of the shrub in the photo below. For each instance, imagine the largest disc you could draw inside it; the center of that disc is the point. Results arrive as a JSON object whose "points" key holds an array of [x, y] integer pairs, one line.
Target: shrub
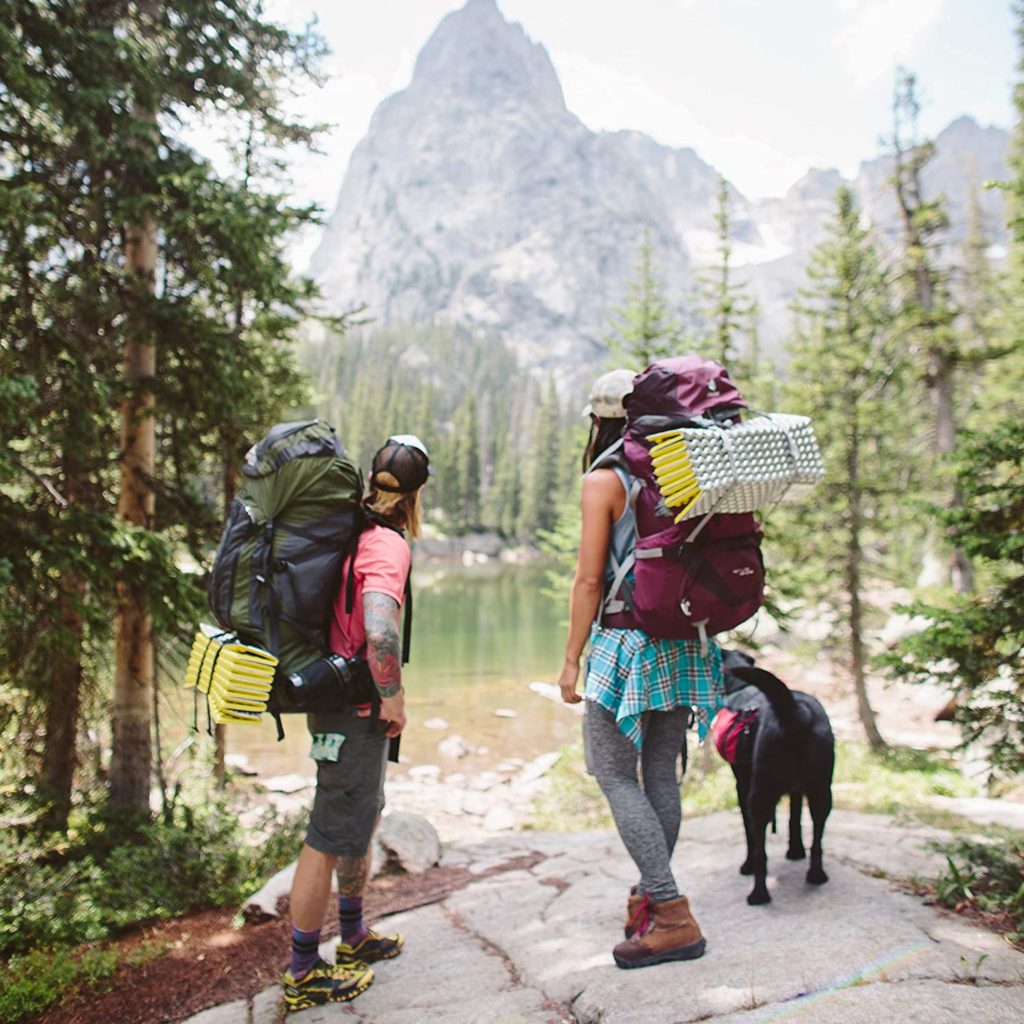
{"points": [[109, 878], [986, 874], [43, 903], [31, 983], [973, 643]]}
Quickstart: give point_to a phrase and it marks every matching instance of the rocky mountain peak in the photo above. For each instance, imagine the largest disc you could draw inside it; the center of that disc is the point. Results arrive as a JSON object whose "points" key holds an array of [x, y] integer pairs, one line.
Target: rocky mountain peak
{"points": [[962, 127], [476, 198], [475, 52], [816, 184]]}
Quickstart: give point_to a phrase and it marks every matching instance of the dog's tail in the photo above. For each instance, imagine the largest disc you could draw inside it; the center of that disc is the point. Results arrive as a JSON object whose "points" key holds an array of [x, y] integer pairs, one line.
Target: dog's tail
{"points": [[778, 693]]}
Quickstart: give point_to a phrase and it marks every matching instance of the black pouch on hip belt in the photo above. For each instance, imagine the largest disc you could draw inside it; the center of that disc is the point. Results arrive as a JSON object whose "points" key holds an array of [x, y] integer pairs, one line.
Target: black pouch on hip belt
{"points": [[332, 683]]}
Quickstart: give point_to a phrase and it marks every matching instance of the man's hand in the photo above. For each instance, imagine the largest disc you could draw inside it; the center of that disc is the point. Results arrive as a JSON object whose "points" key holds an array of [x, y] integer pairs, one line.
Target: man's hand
{"points": [[567, 682], [392, 711]]}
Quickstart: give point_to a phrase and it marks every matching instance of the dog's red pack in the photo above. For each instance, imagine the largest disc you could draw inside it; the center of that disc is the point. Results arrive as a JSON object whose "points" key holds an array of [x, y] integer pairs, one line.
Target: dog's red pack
{"points": [[731, 732]]}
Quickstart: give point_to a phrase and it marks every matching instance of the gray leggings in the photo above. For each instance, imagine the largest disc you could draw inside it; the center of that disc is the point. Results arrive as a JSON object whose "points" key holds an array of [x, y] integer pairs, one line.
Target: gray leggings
{"points": [[647, 813]]}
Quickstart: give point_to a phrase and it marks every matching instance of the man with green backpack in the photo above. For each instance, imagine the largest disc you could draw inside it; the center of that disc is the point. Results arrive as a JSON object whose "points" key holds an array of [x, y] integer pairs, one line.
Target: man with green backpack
{"points": [[315, 571], [351, 745]]}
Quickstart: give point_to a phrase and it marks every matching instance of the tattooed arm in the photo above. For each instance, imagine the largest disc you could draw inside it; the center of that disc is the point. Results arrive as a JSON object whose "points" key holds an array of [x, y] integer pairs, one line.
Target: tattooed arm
{"points": [[384, 655]]}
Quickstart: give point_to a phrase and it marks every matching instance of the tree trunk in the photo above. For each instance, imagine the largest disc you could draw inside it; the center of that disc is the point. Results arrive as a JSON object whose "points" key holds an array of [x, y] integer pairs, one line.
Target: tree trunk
{"points": [[962, 568], [166, 807], [60, 752], [940, 362], [854, 558], [64, 669], [940, 380], [220, 749], [229, 481], [131, 760], [132, 751]]}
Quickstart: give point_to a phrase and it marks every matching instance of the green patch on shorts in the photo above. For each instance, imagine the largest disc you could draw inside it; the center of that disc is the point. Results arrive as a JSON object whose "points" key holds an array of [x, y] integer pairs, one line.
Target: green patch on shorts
{"points": [[326, 746]]}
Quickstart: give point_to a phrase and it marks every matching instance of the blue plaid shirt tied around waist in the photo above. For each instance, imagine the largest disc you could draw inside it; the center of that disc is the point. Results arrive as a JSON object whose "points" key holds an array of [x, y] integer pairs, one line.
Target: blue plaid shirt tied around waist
{"points": [[629, 672]]}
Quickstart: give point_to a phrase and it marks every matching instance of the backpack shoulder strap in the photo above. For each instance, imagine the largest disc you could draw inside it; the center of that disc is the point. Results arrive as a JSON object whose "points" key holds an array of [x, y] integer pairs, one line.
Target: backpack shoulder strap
{"points": [[350, 576], [612, 601], [611, 457]]}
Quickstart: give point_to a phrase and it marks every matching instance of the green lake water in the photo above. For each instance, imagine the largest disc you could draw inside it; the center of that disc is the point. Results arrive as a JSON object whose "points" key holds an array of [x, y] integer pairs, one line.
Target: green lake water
{"points": [[481, 634]]}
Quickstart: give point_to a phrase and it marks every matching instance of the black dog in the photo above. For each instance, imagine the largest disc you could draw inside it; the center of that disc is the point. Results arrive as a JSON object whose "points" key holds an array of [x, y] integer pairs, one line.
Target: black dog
{"points": [[785, 746]]}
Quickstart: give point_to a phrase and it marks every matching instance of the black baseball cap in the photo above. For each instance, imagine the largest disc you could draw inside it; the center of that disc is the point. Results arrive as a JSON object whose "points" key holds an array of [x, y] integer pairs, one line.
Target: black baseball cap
{"points": [[406, 458]]}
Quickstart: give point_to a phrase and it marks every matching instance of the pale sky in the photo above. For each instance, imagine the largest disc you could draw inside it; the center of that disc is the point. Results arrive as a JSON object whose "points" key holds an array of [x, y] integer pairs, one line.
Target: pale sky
{"points": [[761, 89]]}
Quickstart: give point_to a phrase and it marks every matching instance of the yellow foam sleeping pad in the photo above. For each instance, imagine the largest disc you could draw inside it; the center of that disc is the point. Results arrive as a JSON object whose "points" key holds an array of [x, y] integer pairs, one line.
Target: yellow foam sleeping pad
{"points": [[236, 677], [677, 479], [739, 468]]}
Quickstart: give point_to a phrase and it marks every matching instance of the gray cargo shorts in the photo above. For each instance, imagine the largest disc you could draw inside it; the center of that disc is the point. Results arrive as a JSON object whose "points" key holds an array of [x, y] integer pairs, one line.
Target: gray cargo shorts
{"points": [[351, 757]]}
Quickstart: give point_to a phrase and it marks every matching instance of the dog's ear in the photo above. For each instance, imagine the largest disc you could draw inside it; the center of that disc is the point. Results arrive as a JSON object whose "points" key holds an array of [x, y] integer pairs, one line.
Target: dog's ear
{"points": [[759, 677], [733, 659]]}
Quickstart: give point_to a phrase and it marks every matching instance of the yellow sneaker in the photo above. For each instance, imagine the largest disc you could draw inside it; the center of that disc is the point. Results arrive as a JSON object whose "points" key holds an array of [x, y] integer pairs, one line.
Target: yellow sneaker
{"points": [[372, 948], [326, 983]]}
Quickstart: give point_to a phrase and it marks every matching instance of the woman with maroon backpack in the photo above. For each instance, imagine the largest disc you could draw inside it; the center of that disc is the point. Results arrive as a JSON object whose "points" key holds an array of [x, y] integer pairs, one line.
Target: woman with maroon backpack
{"points": [[641, 691]]}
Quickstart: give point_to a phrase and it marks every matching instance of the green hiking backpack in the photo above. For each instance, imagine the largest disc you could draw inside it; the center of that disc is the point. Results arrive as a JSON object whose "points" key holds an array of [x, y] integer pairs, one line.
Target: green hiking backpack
{"points": [[278, 567]]}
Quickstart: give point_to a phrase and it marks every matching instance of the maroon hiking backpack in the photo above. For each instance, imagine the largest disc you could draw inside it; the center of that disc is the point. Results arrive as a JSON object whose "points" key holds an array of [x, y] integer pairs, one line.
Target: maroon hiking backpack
{"points": [[701, 576]]}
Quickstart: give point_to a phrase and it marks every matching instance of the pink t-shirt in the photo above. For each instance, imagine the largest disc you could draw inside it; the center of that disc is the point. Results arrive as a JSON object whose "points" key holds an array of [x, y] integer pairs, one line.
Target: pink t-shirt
{"points": [[381, 567]]}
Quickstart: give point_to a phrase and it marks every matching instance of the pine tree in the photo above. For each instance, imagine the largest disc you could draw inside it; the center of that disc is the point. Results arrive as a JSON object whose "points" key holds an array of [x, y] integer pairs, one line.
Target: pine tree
{"points": [[644, 329], [489, 446], [927, 310], [123, 236], [980, 292], [759, 376], [974, 642], [728, 310], [504, 505], [466, 459], [562, 542], [57, 431], [987, 325], [847, 372], [449, 483], [541, 472]]}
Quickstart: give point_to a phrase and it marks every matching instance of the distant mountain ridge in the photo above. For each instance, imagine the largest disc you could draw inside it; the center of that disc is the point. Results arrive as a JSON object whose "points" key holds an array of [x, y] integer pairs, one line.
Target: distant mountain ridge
{"points": [[478, 198]]}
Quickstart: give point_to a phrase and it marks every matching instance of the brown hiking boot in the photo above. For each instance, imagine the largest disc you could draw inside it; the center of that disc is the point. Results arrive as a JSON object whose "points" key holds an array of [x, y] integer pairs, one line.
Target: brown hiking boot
{"points": [[670, 933], [637, 911]]}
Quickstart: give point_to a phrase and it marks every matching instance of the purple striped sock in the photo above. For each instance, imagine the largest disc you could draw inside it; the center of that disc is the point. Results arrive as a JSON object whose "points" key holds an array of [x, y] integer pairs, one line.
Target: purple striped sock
{"points": [[350, 917], [305, 952]]}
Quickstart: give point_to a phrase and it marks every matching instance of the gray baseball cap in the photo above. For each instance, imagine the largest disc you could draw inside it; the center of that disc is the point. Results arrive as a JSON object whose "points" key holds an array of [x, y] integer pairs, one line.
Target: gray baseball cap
{"points": [[607, 393]]}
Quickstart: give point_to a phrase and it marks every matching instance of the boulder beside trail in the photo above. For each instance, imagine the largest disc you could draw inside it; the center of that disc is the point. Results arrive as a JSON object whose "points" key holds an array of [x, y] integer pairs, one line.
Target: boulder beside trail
{"points": [[404, 840], [262, 905], [408, 841]]}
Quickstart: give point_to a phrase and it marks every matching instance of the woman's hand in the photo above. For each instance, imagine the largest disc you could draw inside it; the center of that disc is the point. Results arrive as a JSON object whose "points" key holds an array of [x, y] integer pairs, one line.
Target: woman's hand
{"points": [[567, 682]]}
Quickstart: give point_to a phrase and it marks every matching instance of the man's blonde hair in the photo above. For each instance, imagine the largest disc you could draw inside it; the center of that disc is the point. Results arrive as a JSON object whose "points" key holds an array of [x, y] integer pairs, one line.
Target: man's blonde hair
{"points": [[404, 510]]}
